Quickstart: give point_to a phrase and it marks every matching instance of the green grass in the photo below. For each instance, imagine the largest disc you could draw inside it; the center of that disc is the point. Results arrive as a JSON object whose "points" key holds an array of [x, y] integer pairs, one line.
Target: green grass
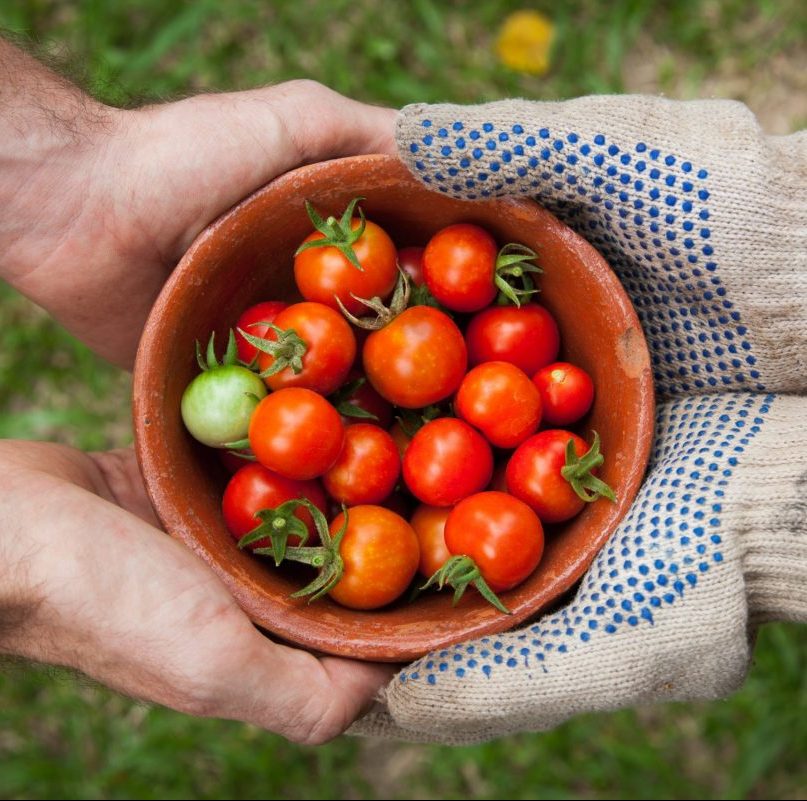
{"points": [[393, 53], [62, 738]]}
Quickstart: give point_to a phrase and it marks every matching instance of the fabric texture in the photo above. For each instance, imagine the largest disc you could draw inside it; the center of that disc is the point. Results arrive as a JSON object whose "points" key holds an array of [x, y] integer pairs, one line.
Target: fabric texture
{"points": [[704, 220]]}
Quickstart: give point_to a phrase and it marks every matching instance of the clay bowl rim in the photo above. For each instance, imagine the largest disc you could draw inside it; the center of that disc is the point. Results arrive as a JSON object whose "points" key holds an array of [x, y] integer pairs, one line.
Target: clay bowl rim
{"points": [[150, 419]]}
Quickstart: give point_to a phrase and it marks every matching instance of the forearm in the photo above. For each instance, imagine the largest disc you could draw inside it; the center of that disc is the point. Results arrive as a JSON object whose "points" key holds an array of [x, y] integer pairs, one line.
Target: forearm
{"points": [[50, 136]]}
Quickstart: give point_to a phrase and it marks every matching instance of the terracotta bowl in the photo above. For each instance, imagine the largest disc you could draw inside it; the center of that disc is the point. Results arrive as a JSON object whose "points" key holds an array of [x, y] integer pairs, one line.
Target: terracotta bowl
{"points": [[245, 257]]}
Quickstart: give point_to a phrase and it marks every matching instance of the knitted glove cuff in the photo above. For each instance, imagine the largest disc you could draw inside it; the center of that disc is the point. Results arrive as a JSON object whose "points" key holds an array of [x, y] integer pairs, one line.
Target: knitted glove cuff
{"points": [[768, 503]]}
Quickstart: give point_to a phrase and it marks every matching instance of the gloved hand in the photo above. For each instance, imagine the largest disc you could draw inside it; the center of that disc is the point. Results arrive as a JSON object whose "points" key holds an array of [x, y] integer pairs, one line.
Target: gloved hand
{"points": [[702, 218]]}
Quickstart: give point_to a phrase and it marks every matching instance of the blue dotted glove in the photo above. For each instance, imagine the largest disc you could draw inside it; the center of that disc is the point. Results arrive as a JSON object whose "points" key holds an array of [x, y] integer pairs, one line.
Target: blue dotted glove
{"points": [[701, 216]]}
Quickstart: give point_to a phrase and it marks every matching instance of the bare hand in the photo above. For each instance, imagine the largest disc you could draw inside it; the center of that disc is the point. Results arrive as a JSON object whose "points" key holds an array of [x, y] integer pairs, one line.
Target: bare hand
{"points": [[94, 585]]}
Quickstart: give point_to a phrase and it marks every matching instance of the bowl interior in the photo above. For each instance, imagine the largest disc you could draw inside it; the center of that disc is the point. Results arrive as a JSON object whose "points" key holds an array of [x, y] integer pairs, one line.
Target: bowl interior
{"points": [[245, 257]]}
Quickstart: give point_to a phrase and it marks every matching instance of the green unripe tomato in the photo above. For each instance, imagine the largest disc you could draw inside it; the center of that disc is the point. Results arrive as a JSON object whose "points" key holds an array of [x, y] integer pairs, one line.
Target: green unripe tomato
{"points": [[218, 403]]}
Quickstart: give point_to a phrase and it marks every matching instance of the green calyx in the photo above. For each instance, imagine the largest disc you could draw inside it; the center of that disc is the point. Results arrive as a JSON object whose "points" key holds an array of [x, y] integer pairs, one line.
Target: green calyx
{"points": [[382, 315], [286, 350], [337, 233], [326, 557], [513, 274], [278, 525], [242, 452], [412, 420], [460, 571], [577, 471], [420, 296], [209, 361], [342, 401]]}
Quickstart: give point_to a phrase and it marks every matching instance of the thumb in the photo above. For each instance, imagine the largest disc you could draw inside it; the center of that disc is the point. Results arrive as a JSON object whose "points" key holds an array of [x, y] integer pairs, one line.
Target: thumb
{"points": [[322, 124]]}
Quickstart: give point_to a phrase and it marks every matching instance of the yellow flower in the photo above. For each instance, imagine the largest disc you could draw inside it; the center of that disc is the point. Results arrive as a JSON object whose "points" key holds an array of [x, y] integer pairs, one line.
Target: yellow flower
{"points": [[525, 41]]}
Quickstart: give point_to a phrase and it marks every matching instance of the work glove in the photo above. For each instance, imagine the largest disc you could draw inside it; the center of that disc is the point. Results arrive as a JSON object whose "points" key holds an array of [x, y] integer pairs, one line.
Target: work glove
{"points": [[704, 220]]}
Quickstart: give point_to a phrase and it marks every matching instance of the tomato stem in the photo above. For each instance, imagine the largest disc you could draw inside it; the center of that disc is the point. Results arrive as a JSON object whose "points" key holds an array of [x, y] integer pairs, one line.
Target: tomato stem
{"points": [[339, 234], [458, 572], [383, 314], [577, 471], [209, 361], [325, 557], [286, 350], [278, 525], [513, 265]]}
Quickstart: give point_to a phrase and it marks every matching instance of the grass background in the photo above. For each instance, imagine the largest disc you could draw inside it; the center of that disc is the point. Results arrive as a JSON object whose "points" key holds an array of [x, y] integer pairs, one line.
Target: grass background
{"points": [[61, 737]]}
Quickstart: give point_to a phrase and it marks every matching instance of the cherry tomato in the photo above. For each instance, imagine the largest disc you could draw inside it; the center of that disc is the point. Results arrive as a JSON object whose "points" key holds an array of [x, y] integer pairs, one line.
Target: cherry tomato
{"points": [[500, 533], [410, 260], [567, 392], [380, 553], [255, 321], [254, 488], [429, 523], [533, 475], [459, 266], [527, 337], [217, 405], [417, 359], [367, 468], [446, 461], [500, 400], [296, 433], [324, 273], [330, 348]]}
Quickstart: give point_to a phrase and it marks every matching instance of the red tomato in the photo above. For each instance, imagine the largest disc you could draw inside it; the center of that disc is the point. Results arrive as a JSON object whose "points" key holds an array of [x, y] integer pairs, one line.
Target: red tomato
{"points": [[533, 475], [367, 468], [446, 461], [459, 267], [255, 321], [417, 359], [296, 433], [500, 533], [501, 401], [324, 273], [330, 348], [527, 337], [380, 553], [254, 488], [410, 260], [429, 523], [567, 392]]}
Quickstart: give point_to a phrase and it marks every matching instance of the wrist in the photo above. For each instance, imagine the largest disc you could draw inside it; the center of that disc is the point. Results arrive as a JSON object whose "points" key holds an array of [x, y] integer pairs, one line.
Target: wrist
{"points": [[769, 499]]}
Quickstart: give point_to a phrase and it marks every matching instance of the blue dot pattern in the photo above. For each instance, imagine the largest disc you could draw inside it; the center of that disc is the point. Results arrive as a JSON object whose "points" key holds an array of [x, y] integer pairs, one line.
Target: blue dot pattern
{"points": [[668, 543], [648, 213]]}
